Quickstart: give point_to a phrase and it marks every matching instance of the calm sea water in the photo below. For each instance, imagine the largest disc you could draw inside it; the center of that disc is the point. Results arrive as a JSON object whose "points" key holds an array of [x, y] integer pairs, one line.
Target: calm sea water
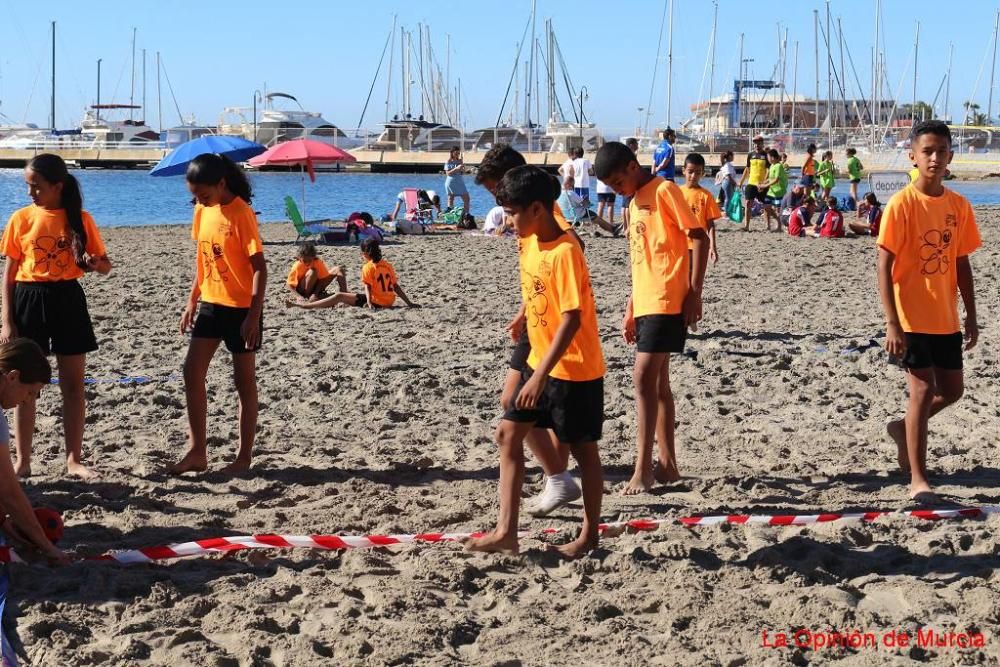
{"points": [[117, 198]]}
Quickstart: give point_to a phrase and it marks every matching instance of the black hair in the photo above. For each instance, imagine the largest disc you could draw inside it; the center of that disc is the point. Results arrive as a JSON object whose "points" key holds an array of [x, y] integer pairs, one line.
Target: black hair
{"points": [[725, 156], [831, 201], [370, 247], [852, 151], [498, 161], [872, 199], [825, 153], [455, 148], [775, 154], [211, 169], [53, 170], [697, 159], [579, 152], [522, 186], [307, 249], [811, 149], [369, 220], [613, 156], [632, 142], [936, 127]]}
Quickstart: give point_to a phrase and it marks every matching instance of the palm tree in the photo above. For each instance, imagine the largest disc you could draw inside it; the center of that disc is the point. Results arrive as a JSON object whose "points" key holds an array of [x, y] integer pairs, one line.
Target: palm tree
{"points": [[970, 111]]}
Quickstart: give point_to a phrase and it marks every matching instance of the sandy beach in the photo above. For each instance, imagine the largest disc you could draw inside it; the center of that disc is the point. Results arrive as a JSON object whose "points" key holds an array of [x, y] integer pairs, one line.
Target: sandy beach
{"points": [[383, 423]]}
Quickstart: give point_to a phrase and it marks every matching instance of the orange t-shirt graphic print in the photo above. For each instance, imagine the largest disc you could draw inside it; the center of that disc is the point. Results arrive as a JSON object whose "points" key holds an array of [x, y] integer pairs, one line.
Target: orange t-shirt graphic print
{"points": [[927, 235], [227, 238]]}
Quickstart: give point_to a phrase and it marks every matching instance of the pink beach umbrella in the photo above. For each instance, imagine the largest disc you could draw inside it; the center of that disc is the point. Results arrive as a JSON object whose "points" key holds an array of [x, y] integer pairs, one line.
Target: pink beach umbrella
{"points": [[302, 152]]}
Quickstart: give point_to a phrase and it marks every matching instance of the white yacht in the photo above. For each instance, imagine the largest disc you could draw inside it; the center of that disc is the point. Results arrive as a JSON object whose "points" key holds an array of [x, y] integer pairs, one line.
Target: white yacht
{"points": [[281, 124]]}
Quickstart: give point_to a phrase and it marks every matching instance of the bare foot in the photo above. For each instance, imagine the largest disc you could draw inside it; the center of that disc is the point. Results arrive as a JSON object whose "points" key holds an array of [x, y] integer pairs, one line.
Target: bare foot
{"points": [[237, 467], [494, 543], [578, 548], [897, 431], [640, 483], [77, 469], [192, 462], [291, 303], [666, 474], [22, 469]]}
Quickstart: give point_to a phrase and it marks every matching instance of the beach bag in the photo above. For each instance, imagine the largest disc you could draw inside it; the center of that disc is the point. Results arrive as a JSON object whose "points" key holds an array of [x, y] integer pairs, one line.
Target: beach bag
{"points": [[734, 209]]}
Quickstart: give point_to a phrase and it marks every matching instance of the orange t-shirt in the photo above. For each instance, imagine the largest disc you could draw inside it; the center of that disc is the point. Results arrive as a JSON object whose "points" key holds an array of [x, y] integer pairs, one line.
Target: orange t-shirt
{"points": [[300, 268], [659, 219], [809, 167], [227, 238], [927, 235], [703, 206], [555, 280], [382, 280], [40, 239]]}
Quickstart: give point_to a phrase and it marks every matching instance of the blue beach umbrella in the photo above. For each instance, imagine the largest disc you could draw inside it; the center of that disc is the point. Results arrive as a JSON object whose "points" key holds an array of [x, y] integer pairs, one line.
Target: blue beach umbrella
{"points": [[236, 149]]}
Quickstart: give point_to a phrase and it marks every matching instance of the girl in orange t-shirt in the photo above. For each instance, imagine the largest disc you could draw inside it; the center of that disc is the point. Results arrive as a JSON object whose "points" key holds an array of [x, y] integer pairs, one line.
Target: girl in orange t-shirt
{"points": [[379, 279], [49, 245], [226, 302]]}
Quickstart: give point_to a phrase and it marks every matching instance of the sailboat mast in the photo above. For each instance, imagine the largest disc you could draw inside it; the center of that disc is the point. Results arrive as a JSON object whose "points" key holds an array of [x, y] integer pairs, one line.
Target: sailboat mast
{"points": [[843, 73], [552, 71], [781, 74], [159, 101], [388, 76], [420, 64], [913, 105], [144, 86], [52, 100], [876, 103], [531, 70], [131, 95], [711, 74], [989, 106], [795, 87], [947, 89], [402, 69], [829, 75], [670, 65], [816, 40]]}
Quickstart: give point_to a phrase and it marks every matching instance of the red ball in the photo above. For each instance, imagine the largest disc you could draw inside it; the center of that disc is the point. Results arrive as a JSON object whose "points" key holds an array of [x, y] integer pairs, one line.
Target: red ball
{"points": [[51, 522]]}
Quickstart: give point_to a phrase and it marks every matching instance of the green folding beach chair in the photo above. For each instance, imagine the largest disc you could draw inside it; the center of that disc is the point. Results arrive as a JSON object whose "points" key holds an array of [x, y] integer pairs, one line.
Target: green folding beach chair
{"points": [[310, 228]]}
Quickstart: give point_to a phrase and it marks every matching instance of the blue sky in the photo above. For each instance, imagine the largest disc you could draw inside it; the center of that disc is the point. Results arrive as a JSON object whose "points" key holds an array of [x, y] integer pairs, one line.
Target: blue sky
{"points": [[216, 54]]}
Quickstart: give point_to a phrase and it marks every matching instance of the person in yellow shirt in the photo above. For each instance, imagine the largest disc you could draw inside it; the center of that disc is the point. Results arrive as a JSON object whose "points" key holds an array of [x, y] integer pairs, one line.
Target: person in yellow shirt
{"points": [[754, 174], [558, 486], [925, 239], [702, 203], [226, 302], [665, 299], [381, 285], [562, 386], [49, 246], [309, 276]]}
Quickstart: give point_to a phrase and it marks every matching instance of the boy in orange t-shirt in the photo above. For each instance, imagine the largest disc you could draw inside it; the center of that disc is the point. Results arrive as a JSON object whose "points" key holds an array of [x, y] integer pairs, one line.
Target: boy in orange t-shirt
{"points": [[702, 203], [926, 237], [665, 299], [309, 277], [562, 385], [380, 283]]}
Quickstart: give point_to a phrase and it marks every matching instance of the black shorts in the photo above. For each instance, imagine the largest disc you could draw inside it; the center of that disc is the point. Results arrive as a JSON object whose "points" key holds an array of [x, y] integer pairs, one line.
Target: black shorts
{"points": [[216, 321], [522, 348], [855, 180], [606, 197], [360, 300], [773, 201], [54, 315], [806, 181], [751, 192], [660, 333], [573, 410], [938, 350]]}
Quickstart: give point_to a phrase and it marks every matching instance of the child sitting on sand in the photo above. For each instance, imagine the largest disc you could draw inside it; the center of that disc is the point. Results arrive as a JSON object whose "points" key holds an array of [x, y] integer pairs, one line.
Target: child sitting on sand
{"points": [[309, 276], [380, 283], [562, 385], [798, 220], [831, 225], [869, 210], [24, 371]]}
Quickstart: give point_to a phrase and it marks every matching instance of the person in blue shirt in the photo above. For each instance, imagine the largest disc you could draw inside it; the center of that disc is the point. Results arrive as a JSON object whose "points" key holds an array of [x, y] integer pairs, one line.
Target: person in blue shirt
{"points": [[663, 157]]}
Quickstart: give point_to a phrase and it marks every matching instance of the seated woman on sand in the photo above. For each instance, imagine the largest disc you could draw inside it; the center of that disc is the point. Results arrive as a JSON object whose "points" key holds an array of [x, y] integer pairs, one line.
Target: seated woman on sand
{"points": [[870, 216]]}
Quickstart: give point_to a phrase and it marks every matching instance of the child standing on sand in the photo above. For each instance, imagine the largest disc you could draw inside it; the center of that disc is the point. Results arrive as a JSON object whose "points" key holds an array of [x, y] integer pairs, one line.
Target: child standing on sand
{"points": [[926, 237], [226, 302], [701, 201], [854, 169], [24, 372], [562, 386], [776, 184], [309, 276], [665, 299], [826, 174], [49, 246], [379, 279], [558, 487]]}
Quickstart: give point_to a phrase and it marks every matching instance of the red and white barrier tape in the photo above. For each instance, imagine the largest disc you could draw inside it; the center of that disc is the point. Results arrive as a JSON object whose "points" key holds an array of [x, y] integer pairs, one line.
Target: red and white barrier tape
{"points": [[217, 545]]}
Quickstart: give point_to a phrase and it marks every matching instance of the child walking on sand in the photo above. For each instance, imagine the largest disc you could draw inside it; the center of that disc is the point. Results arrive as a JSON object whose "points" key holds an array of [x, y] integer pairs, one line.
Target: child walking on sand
{"points": [[24, 372], [926, 237], [49, 246], [665, 300], [226, 302], [562, 386], [380, 282], [309, 276], [558, 487]]}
